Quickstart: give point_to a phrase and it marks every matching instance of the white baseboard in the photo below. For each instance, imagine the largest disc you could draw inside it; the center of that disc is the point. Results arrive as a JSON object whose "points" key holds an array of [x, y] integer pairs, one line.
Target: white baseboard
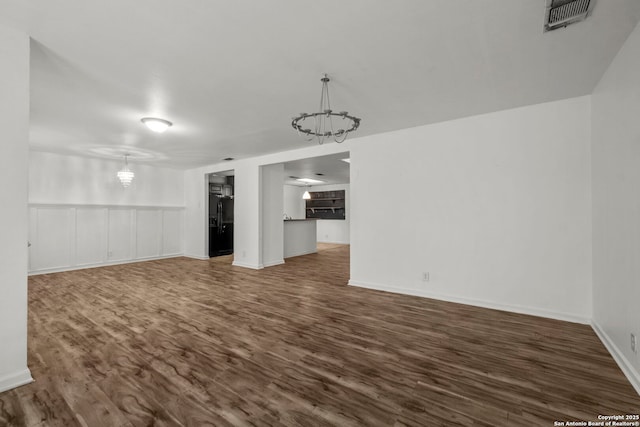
{"points": [[272, 263], [478, 303], [314, 251], [99, 264], [15, 380], [627, 368], [244, 265], [202, 258]]}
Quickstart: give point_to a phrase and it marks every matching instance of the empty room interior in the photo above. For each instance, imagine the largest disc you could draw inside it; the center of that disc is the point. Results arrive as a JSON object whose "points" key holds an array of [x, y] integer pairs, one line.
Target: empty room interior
{"points": [[285, 212]]}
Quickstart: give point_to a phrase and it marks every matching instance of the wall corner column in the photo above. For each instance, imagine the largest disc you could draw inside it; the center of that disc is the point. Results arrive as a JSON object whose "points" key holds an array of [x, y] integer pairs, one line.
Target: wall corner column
{"points": [[14, 163]]}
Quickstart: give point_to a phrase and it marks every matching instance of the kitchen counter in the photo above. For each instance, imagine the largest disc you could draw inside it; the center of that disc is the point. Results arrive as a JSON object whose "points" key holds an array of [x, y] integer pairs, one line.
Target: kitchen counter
{"points": [[299, 237]]}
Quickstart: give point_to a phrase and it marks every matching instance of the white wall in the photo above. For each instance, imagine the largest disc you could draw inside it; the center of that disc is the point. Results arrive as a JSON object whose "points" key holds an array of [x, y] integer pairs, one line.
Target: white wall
{"points": [[80, 215], [293, 202], [14, 121], [495, 207], [272, 181], [196, 225], [247, 220], [335, 230], [616, 206], [61, 179]]}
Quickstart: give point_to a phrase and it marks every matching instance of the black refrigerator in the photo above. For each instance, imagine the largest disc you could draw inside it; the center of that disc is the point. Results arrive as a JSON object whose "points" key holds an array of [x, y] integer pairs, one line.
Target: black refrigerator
{"points": [[220, 225]]}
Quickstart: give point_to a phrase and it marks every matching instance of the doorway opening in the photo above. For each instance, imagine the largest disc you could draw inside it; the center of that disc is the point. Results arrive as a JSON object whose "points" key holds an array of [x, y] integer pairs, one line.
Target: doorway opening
{"points": [[220, 194], [317, 189]]}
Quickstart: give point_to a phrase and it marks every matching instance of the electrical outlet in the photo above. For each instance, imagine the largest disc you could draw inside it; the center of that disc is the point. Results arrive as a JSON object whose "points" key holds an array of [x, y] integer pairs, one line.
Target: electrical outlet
{"points": [[634, 348], [244, 254], [425, 276], [110, 254]]}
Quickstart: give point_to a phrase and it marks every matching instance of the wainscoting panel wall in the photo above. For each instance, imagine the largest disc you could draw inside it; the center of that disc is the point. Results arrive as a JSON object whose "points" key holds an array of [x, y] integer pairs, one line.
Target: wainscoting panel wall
{"points": [[148, 223], [52, 243], [121, 238], [91, 236], [68, 237], [172, 232]]}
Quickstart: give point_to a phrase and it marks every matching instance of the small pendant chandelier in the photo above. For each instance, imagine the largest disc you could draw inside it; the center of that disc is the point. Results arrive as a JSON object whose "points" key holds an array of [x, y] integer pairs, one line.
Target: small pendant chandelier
{"points": [[323, 121], [126, 175]]}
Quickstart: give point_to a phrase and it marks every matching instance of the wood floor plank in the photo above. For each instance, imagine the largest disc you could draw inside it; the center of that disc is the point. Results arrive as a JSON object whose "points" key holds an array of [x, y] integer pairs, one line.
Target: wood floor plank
{"points": [[183, 342]]}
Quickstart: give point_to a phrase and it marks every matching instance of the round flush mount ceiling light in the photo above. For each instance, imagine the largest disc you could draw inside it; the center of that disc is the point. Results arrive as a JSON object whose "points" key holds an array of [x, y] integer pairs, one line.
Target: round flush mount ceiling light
{"points": [[155, 124]]}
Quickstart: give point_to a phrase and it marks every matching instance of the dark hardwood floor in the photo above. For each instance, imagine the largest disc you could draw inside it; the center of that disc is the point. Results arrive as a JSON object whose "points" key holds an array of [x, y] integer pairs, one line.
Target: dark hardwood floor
{"points": [[187, 342]]}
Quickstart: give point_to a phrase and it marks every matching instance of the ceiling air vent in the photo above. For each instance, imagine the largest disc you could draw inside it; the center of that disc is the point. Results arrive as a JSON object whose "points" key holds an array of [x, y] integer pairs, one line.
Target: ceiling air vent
{"points": [[560, 13]]}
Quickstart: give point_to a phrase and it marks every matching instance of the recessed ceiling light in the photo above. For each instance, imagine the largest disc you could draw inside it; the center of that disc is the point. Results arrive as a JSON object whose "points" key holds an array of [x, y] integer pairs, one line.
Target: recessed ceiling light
{"points": [[155, 124], [309, 180], [346, 160]]}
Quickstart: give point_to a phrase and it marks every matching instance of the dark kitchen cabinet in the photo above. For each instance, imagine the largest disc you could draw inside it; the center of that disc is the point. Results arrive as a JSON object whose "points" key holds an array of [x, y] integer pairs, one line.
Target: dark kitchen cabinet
{"points": [[326, 205]]}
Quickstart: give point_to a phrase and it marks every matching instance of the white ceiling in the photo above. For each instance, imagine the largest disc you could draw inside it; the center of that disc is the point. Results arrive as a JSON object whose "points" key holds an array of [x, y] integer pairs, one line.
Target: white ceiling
{"points": [[231, 74], [332, 169]]}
